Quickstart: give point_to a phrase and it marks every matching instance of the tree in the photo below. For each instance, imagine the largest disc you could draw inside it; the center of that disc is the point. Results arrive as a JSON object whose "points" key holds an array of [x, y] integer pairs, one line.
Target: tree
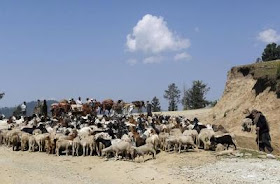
{"points": [[1, 95], [194, 98], [213, 103], [271, 52], [17, 111], [155, 104], [184, 103], [172, 94]]}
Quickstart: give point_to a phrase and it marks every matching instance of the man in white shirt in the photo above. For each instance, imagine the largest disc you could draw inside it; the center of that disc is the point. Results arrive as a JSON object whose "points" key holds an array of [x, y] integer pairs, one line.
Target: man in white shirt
{"points": [[23, 109], [79, 101], [88, 101]]}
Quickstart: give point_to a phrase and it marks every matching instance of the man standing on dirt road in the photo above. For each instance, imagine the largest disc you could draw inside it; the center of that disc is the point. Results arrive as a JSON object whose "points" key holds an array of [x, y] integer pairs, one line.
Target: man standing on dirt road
{"points": [[262, 128]]}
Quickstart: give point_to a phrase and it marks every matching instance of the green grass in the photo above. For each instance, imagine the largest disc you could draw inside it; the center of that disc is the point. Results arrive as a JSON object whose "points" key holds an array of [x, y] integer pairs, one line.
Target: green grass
{"points": [[267, 74], [263, 69], [254, 154]]}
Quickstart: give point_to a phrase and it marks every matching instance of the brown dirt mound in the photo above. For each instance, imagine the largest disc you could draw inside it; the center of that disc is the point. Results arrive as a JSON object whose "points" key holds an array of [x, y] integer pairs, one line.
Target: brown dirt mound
{"points": [[250, 87]]}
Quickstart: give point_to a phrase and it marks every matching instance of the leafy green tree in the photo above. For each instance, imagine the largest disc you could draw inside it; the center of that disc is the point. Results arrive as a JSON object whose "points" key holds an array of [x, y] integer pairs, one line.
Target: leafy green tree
{"points": [[213, 103], [194, 98], [184, 103], [17, 111], [271, 52], [172, 94], [155, 104], [1, 95]]}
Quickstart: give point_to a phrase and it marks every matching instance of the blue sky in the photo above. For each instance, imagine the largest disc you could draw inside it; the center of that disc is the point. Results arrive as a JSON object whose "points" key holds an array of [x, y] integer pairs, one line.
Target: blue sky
{"points": [[62, 49]]}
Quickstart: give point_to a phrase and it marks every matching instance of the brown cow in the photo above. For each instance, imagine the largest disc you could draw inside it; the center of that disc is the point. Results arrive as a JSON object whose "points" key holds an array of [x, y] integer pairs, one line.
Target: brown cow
{"points": [[60, 108], [107, 105], [118, 106], [138, 105]]}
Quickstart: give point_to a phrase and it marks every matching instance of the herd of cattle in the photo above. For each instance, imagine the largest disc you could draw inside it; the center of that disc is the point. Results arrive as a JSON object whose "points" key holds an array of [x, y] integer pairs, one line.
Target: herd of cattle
{"points": [[95, 107], [118, 136]]}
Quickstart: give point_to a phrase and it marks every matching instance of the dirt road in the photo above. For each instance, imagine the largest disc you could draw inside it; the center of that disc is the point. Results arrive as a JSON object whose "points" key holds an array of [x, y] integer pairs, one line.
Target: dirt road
{"points": [[189, 167]]}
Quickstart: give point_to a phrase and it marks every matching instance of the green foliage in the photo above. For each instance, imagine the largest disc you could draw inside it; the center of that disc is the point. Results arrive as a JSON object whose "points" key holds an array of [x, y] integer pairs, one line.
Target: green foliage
{"points": [[155, 105], [184, 103], [271, 52], [172, 94], [194, 98], [246, 153], [2, 95], [213, 103], [17, 111]]}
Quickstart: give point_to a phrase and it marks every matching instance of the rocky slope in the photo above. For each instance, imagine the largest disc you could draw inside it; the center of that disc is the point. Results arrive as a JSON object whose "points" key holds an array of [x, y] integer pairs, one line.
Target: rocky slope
{"points": [[250, 87]]}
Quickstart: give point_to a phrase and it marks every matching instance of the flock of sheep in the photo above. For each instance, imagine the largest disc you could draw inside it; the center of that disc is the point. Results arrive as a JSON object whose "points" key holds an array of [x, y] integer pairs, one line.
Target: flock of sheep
{"points": [[126, 137]]}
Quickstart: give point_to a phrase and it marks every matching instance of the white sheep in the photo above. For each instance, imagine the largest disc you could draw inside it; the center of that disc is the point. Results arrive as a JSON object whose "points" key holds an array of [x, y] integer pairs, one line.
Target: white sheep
{"points": [[204, 136], [171, 141], [162, 137], [24, 140], [88, 143], [185, 141], [76, 146], [142, 150], [40, 140], [154, 140], [192, 133], [32, 143], [118, 146], [64, 144]]}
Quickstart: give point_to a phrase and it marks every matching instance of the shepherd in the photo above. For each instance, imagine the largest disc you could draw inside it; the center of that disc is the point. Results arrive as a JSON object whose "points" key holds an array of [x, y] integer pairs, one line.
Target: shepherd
{"points": [[149, 109], [262, 130], [45, 109], [23, 109]]}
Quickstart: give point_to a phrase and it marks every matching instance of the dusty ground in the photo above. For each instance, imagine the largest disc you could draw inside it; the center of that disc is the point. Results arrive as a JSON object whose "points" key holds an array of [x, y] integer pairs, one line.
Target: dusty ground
{"points": [[188, 167]]}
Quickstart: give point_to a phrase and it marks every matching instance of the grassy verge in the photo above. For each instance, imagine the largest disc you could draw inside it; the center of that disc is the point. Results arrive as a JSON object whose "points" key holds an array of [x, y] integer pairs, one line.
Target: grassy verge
{"points": [[251, 153]]}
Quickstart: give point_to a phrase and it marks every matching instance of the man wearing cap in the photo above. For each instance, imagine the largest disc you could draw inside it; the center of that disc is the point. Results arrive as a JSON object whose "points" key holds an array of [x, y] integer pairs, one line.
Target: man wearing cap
{"points": [[262, 128]]}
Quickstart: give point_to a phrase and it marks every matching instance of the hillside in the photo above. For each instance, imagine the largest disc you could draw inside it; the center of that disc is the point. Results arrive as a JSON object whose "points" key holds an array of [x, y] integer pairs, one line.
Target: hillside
{"points": [[250, 87], [8, 111]]}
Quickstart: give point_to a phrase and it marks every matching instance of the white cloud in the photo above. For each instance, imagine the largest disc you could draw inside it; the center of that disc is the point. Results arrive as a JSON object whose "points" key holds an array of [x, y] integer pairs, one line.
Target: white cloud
{"points": [[132, 62], [182, 56], [153, 60], [196, 29], [268, 36], [151, 35]]}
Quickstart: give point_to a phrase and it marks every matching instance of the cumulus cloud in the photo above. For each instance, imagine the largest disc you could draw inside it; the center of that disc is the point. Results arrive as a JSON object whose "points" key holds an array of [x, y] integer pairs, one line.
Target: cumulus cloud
{"points": [[268, 36], [132, 62], [151, 35], [182, 56], [153, 60]]}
